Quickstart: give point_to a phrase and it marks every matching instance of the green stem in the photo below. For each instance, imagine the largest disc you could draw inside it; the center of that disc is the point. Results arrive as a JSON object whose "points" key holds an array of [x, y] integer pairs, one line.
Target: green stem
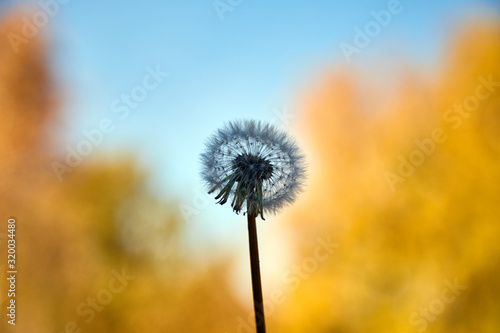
{"points": [[255, 268]]}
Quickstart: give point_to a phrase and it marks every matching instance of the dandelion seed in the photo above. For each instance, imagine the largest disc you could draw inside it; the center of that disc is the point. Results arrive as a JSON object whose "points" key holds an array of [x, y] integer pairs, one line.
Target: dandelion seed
{"points": [[256, 167]]}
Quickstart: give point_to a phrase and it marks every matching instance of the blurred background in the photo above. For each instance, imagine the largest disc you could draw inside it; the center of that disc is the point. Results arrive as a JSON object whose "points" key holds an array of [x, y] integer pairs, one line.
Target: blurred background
{"points": [[106, 107]]}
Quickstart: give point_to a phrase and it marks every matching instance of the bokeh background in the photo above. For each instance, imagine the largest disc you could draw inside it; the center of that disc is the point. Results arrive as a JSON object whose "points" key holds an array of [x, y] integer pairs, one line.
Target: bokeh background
{"points": [[105, 107]]}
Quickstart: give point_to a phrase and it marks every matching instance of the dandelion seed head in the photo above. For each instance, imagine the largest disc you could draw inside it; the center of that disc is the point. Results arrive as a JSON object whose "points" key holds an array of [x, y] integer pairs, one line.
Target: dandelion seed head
{"points": [[256, 167]]}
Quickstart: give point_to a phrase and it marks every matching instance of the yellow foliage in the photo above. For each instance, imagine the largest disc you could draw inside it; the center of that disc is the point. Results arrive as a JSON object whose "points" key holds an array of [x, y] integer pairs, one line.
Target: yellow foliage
{"points": [[97, 252], [405, 241]]}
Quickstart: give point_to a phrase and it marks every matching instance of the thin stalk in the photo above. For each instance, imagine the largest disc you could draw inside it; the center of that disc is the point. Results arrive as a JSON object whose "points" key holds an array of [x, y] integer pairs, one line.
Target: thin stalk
{"points": [[255, 268]]}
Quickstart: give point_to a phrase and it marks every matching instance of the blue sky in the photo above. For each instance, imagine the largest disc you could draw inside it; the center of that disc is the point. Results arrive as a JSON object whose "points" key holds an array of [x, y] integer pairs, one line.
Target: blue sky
{"points": [[250, 64]]}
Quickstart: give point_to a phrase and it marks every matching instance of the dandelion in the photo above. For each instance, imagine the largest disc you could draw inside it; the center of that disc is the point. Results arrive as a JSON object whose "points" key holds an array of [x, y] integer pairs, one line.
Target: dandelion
{"points": [[256, 166], [259, 169]]}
